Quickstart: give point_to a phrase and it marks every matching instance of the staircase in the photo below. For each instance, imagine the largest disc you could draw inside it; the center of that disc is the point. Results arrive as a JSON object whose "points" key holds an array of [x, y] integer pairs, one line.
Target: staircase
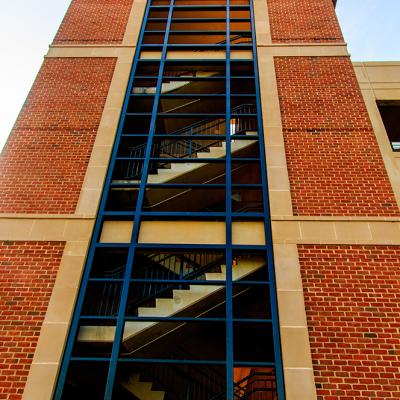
{"points": [[141, 390], [176, 170], [175, 85], [202, 382], [178, 381], [184, 302], [188, 147]]}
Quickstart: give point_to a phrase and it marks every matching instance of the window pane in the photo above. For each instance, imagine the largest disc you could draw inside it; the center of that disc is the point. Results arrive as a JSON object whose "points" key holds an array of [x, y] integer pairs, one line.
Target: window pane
{"points": [[255, 382], [184, 200], [251, 301], [85, 380], [198, 340], [253, 342], [390, 113], [201, 125], [188, 147], [171, 381], [95, 338]]}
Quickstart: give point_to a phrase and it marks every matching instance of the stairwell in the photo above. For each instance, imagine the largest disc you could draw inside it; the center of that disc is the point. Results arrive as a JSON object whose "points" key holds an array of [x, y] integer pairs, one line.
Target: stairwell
{"points": [[141, 389], [183, 302]]}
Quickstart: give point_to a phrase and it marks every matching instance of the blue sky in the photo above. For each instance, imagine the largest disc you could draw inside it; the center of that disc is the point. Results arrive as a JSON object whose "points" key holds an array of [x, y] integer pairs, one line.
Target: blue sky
{"points": [[371, 28]]}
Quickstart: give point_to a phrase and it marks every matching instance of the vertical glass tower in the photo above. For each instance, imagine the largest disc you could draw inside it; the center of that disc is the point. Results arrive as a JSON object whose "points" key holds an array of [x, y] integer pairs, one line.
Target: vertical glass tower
{"points": [[157, 319]]}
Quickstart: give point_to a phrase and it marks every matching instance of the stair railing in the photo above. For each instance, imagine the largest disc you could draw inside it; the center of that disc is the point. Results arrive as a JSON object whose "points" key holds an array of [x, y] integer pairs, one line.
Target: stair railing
{"points": [[255, 386], [237, 39], [175, 267], [179, 267], [188, 147], [250, 206], [184, 382], [204, 382]]}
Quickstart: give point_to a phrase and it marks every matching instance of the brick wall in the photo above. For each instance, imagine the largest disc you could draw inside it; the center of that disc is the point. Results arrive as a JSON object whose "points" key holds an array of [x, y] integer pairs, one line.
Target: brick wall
{"points": [[334, 162], [45, 159], [27, 275], [94, 21], [352, 298], [303, 21]]}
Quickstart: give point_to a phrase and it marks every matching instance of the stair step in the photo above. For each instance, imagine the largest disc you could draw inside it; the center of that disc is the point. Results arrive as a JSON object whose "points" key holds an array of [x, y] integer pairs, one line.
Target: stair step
{"points": [[218, 149], [148, 312], [162, 302], [215, 276], [142, 390], [178, 169], [203, 289], [193, 290], [165, 171], [183, 167], [238, 144], [215, 152], [182, 299], [206, 155]]}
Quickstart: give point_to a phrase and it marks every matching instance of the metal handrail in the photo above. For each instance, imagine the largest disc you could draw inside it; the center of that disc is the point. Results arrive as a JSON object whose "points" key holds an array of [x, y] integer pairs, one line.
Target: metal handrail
{"points": [[187, 147], [231, 40], [246, 392], [203, 122], [157, 290], [195, 386], [154, 268]]}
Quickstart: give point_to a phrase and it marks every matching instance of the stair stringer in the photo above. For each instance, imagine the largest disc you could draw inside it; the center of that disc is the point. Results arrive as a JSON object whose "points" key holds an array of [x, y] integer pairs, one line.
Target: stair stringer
{"points": [[181, 301], [142, 390], [178, 170]]}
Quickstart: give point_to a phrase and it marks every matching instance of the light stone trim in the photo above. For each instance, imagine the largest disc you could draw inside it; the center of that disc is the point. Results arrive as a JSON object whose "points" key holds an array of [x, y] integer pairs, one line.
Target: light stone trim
{"points": [[184, 232], [293, 230], [278, 177], [45, 229], [75, 232], [337, 232], [296, 355], [306, 50], [261, 22], [381, 81], [89, 51], [97, 168], [287, 230], [194, 55], [134, 23], [296, 352], [46, 361]]}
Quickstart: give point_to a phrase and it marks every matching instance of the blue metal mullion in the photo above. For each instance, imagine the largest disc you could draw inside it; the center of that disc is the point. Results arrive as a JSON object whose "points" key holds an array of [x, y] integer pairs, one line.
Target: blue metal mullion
{"points": [[228, 205], [135, 231], [96, 232], [267, 224], [168, 361]]}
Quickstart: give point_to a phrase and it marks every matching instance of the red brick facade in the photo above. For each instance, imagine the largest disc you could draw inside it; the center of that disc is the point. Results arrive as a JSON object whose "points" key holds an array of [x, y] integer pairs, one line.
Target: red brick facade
{"points": [[45, 159], [94, 21], [304, 21], [27, 275], [334, 162], [352, 297]]}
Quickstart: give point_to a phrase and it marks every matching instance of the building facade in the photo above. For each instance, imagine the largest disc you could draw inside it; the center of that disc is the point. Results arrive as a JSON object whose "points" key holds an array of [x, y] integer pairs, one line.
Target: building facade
{"points": [[200, 200]]}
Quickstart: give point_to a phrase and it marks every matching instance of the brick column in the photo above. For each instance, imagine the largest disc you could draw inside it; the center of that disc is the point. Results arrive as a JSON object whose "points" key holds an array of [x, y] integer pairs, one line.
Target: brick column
{"points": [[52, 172]]}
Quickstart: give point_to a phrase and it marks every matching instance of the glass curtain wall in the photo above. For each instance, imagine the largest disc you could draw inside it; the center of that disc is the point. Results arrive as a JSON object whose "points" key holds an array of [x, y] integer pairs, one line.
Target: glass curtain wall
{"points": [[190, 321]]}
